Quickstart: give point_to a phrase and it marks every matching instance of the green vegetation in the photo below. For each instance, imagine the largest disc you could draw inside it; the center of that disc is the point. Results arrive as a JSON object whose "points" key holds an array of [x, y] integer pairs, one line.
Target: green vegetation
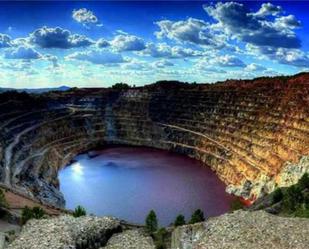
{"points": [[120, 86], [179, 221], [151, 222], [79, 211], [278, 195], [197, 216], [304, 181], [294, 199], [160, 238], [32, 213], [236, 205], [3, 202]]}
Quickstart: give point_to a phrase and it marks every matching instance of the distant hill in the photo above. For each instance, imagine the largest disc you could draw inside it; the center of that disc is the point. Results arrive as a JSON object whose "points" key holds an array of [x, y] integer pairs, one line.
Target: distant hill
{"points": [[36, 90]]}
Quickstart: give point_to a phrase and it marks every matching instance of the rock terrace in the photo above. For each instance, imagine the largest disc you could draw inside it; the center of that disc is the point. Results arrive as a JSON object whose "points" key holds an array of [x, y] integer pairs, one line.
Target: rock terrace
{"points": [[253, 134]]}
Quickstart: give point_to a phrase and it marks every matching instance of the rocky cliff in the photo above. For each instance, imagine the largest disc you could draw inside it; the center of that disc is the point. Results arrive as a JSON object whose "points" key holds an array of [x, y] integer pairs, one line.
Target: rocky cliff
{"points": [[253, 134]]}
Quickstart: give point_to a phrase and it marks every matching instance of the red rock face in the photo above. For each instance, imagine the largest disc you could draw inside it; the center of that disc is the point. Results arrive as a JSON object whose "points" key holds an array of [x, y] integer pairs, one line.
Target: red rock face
{"points": [[253, 134]]}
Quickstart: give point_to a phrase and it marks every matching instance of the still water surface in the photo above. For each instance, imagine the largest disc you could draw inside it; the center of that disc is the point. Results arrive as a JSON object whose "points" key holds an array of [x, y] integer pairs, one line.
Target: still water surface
{"points": [[127, 182]]}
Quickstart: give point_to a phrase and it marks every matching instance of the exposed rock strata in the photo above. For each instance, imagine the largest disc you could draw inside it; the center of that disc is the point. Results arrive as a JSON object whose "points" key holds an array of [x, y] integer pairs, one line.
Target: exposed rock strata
{"points": [[243, 229], [253, 134]]}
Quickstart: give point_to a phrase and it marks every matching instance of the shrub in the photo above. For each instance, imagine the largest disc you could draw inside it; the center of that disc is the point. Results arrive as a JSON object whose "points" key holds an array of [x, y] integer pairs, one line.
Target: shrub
{"points": [[79, 211], [197, 216], [293, 198], [179, 221], [302, 212], [160, 238], [303, 182], [236, 205], [120, 86], [151, 222], [3, 202], [31, 213], [278, 195], [37, 213]]}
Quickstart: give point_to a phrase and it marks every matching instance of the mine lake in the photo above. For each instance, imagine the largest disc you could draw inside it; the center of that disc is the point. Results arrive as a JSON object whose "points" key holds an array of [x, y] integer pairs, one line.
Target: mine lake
{"points": [[127, 182]]}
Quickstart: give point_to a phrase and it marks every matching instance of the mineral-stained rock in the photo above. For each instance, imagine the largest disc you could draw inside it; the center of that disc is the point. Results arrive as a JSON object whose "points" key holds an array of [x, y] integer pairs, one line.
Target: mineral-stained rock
{"points": [[66, 232], [253, 133], [130, 239], [243, 229]]}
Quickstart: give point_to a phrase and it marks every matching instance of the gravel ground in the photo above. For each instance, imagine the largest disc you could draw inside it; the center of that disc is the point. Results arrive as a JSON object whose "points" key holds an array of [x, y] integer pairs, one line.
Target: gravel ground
{"points": [[130, 239], [66, 232], [243, 229]]}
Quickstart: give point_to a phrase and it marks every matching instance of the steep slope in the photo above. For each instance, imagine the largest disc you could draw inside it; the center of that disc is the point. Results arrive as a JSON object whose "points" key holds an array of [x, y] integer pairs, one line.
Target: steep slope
{"points": [[253, 134]]}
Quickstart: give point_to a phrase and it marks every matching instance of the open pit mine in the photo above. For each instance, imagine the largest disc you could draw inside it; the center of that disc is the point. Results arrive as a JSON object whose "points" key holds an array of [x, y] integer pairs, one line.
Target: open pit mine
{"points": [[253, 133]]}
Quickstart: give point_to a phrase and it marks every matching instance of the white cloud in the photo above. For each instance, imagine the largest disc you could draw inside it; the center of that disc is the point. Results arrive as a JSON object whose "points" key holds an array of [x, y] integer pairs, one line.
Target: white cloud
{"points": [[191, 30], [254, 67], [228, 61], [268, 9], [162, 64], [26, 53], [5, 41], [237, 21], [102, 43], [58, 38], [128, 43], [85, 17], [163, 50], [98, 57]]}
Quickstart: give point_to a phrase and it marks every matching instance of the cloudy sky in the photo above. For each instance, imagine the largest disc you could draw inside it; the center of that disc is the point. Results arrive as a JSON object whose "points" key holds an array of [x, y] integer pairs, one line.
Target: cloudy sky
{"points": [[48, 44]]}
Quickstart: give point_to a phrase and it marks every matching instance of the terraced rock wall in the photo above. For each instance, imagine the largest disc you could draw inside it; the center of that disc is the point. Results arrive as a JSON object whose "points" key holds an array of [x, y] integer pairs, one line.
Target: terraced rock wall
{"points": [[253, 134]]}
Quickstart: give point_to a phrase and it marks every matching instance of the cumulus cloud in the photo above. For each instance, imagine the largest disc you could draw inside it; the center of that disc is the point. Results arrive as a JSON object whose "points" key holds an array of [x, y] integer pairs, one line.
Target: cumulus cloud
{"points": [[254, 67], [268, 9], [286, 22], [136, 65], [228, 61], [85, 17], [128, 43], [58, 38], [102, 43], [5, 41], [163, 50], [191, 30], [97, 57], [239, 22], [295, 57], [53, 59], [162, 64], [25, 53]]}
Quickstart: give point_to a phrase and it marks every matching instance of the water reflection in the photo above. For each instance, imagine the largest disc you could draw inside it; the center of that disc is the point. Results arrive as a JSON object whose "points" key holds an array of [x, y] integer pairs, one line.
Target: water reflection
{"points": [[127, 182]]}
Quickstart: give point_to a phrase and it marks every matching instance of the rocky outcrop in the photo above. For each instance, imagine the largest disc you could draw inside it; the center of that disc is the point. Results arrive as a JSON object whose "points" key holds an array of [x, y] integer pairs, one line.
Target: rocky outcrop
{"points": [[66, 232], [130, 239], [253, 134], [243, 229]]}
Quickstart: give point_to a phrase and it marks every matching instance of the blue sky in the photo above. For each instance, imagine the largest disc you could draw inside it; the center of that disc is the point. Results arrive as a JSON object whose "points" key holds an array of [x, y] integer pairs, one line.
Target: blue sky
{"points": [[87, 44]]}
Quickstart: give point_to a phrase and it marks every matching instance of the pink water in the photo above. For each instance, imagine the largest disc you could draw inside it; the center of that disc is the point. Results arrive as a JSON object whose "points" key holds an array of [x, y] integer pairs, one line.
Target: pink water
{"points": [[127, 182]]}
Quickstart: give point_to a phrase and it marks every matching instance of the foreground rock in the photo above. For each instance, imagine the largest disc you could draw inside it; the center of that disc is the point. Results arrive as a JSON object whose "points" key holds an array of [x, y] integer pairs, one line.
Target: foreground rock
{"points": [[243, 229], [131, 239], [66, 232]]}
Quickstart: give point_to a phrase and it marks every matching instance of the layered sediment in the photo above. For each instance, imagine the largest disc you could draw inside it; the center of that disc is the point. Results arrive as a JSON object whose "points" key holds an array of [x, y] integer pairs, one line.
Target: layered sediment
{"points": [[253, 134]]}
